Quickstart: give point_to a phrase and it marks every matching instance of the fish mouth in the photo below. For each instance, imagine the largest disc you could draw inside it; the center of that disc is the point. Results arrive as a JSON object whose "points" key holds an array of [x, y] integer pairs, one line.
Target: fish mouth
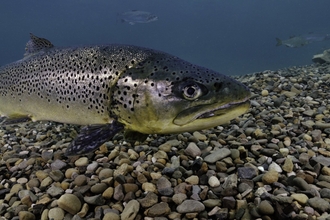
{"points": [[212, 114]]}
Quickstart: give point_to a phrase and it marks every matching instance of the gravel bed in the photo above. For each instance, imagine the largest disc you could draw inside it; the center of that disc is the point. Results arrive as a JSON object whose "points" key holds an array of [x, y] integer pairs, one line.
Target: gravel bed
{"points": [[270, 163]]}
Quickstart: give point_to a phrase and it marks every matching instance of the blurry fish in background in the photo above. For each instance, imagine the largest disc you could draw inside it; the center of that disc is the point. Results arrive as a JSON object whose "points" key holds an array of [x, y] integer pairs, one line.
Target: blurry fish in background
{"points": [[292, 42], [302, 40], [135, 16]]}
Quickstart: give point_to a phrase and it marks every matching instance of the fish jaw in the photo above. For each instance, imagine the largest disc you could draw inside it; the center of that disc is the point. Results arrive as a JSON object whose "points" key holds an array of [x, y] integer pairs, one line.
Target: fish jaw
{"points": [[211, 115]]}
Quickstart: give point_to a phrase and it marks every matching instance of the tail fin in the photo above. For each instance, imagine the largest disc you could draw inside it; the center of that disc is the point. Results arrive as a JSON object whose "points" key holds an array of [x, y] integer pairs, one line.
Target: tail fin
{"points": [[279, 42]]}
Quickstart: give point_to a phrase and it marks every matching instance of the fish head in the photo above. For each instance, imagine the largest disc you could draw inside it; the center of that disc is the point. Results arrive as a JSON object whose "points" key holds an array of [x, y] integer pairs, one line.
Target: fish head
{"points": [[164, 94]]}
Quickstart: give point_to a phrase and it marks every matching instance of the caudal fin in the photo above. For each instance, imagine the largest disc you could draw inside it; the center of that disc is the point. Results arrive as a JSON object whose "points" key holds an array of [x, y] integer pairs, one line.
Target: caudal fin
{"points": [[279, 42]]}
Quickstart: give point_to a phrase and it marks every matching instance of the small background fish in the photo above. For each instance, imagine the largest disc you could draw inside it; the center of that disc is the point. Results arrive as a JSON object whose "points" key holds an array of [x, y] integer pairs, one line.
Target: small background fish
{"points": [[136, 16]]}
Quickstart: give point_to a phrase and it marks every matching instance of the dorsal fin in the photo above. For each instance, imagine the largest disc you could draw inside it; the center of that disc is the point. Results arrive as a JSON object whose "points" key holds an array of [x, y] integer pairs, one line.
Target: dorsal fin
{"points": [[35, 44]]}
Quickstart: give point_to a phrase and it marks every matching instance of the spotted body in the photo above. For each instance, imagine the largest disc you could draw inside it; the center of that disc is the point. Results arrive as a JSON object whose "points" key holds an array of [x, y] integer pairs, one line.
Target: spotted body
{"points": [[110, 88]]}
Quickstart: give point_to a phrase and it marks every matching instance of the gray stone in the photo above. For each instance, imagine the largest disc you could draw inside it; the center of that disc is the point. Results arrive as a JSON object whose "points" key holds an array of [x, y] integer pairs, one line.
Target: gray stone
{"points": [[325, 193], [265, 208], [131, 209], [164, 187], [217, 155], [55, 191], [319, 204], [159, 209], [148, 201], [190, 206], [246, 172], [58, 165], [94, 200]]}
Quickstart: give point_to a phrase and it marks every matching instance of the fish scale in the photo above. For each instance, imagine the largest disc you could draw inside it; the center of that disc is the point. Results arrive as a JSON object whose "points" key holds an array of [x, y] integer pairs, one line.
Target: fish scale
{"points": [[114, 88]]}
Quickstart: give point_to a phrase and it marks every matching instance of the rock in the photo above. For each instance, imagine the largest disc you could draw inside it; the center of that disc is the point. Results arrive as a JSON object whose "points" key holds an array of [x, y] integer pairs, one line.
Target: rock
{"points": [[82, 161], [319, 204], [58, 165], [217, 155], [214, 181], [193, 180], [265, 208], [192, 150], [164, 187], [111, 216], [325, 193], [55, 191], [270, 177], [130, 211], [190, 206], [301, 183], [148, 201], [179, 198], [56, 213], [246, 172], [299, 197], [69, 203], [288, 165], [25, 215], [94, 200], [159, 209]]}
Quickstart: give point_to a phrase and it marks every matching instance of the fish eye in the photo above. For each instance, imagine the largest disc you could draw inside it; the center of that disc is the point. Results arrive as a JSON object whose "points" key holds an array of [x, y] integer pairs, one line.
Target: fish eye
{"points": [[191, 92]]}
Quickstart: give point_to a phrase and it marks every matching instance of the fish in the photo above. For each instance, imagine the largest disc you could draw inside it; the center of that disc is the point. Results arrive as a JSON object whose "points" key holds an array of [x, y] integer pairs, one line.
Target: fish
{"points": [[135, 16], [115, 88], [292, 42], [302, 40]]}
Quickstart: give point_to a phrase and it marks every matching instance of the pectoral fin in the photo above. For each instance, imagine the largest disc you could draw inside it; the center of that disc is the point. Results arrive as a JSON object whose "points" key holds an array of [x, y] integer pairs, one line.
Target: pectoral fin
{"points": [[93, 136]]}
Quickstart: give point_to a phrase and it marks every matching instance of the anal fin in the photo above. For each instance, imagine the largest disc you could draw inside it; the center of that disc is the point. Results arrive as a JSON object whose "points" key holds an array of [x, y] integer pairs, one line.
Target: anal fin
{"points": [[93, 136]]}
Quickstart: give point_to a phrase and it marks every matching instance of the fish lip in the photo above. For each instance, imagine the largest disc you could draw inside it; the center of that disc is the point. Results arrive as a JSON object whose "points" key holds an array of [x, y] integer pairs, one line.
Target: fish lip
{"points": [[219, 111], [208, 111]]}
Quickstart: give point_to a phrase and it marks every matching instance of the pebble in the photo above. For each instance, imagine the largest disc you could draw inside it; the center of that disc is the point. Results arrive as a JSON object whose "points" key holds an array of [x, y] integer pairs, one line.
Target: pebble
{"points": [[190, 206], [265, 208], [214, 181], [217, 155], [159, 209], [130, 211], [69, 203], [319, 204], [270, 177], [82, 161], [299, 197], [192, 150], [56, 213]]}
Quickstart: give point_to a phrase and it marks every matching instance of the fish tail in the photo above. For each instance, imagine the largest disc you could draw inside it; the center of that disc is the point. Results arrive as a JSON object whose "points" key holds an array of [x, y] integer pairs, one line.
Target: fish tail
{"points": [[279, 42]]}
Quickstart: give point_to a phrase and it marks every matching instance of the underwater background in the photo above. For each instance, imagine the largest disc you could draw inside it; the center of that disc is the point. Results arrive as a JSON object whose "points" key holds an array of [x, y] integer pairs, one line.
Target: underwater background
{"points": [[232, 37]]}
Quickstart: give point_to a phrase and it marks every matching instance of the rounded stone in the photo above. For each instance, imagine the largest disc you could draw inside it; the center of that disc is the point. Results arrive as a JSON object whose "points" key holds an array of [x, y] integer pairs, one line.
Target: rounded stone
{"points": [[69, 172], [299, 197], [80, 180], [270, 177], [70, 203], [265, 208], [105, 173], [26, 215], [192, 150], [264, 92], [193, 180], [99, 188], [159, 209], [190, 206], [82, 161], [108, 193], [56, 213], [214, 181], [111, 216]]}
